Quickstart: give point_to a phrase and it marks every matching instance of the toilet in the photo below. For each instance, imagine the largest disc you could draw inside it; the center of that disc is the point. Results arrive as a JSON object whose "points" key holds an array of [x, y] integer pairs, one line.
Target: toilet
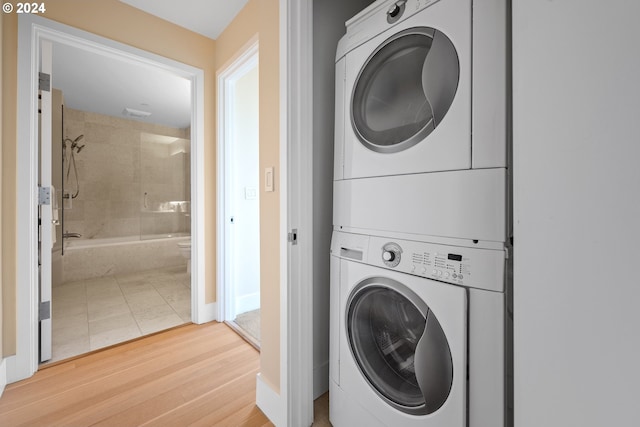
{"points": [[185, 251]]}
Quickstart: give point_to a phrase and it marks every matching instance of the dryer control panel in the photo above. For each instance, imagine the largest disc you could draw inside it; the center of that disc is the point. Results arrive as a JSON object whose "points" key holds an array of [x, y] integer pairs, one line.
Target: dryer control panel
{"points": [[458, 265]]}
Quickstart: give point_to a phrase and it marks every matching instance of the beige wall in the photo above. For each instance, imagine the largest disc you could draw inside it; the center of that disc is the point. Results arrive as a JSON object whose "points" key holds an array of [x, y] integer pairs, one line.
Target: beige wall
{"points": [[260, 19], [1, 214], [9, 103], [117, 21]]}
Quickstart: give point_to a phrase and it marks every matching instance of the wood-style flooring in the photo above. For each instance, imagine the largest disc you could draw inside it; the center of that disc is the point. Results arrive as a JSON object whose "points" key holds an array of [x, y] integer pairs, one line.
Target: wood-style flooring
{"points": [[196, 375]]}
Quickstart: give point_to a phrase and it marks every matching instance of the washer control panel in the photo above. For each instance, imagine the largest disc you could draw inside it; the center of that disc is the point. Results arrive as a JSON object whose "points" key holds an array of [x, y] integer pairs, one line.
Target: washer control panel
{"points": [[471, 267], [458, 265], [446, 266]]}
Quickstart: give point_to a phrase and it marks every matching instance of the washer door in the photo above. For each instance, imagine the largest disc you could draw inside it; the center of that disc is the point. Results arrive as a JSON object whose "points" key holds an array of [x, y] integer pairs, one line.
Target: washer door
{"points": [[404, 89], [399, 346]]}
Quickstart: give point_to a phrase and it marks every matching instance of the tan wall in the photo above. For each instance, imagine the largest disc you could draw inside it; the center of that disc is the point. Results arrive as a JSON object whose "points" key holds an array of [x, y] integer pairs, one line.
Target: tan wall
{"points": [[1, 213], [260, 18], [117, 21], [9, 107]]}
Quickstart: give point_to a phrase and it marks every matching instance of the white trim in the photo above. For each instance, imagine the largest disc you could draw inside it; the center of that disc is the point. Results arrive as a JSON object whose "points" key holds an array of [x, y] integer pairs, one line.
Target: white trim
{"points": [[247, 59], [248, 302], [296, 268], [46, 211], [25, 362], [31, 30], [3, 375], [280, 407], [209, 313], [269, 402], [199, 308]]}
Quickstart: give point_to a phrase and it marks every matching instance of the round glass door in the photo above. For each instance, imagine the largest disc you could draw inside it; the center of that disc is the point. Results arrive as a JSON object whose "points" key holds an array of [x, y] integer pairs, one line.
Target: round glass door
{"points": [[404, 89], [399, 346]]}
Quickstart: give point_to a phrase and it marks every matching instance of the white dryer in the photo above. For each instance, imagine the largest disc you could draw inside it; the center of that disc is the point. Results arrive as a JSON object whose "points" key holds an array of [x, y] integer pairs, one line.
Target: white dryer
{"points": [[421, 122], [421, 87], [417, 334]]}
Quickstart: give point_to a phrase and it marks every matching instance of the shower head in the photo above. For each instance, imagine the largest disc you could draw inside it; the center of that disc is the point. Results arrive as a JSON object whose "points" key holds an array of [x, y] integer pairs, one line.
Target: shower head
{"points": [[74, 144]]}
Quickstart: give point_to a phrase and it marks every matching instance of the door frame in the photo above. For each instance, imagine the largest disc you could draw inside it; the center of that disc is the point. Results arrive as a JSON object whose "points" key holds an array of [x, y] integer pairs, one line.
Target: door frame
{"points": [[32, 30], [248, 57], [45, 174], [296, 212]]}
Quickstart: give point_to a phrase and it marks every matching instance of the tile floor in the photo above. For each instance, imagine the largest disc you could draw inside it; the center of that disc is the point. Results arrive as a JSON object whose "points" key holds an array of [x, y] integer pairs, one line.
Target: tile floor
{"points": [[95, 313]]}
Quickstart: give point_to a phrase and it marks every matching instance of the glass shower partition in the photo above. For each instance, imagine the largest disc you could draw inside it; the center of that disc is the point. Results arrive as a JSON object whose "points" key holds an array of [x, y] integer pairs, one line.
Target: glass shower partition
{"points": [[165, 186]]}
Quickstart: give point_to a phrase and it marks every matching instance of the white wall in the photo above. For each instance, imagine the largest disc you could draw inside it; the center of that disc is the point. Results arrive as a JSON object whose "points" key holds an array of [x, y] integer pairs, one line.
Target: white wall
{"points": [[246, 209], [576, 68], [329, 18]]}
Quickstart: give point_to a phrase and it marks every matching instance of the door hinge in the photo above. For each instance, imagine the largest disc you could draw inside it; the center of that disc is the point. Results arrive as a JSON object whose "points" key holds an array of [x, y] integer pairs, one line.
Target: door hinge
{"points": [[44, 82], [292, 237], [45, 310], [44, 195]]}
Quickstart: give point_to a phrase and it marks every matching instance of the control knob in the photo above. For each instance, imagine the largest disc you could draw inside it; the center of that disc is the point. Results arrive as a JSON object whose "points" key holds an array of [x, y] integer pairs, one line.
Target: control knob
{"points": [[391, 254], [395, 11]]}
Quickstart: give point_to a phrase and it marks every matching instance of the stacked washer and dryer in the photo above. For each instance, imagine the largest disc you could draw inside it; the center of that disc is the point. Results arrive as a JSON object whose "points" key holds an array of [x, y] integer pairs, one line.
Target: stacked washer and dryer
{"points": [[419, 332]]}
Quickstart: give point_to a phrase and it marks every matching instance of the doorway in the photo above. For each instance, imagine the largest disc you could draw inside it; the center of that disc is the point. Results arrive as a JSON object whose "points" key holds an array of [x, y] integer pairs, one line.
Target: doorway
{"points": [[238, 188], [35, 32], [123, 201]]}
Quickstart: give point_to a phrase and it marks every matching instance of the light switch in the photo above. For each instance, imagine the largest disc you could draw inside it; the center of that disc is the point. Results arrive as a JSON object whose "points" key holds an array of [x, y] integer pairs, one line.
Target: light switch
{"points": [[250, 193], [268, 179]]}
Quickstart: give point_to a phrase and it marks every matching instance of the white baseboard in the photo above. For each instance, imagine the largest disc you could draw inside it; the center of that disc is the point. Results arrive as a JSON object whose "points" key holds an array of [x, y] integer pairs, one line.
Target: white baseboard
{"points": [[209, 313], [269, 402], [320, 380], [246, 303], [3, 376]]}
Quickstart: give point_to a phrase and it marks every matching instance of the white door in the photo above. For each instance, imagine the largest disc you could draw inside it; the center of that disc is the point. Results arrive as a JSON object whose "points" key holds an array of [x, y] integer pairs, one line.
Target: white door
{"points": [[47, 200], [245, 201], [239, 192]]}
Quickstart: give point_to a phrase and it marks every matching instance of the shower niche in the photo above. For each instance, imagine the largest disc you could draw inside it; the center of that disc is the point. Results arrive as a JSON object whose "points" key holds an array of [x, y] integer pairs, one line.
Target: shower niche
{"points": [[165, 186]]}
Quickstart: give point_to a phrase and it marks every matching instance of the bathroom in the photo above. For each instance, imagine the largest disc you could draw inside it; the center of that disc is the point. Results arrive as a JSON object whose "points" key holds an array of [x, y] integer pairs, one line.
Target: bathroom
{"points": [[120, 261]]}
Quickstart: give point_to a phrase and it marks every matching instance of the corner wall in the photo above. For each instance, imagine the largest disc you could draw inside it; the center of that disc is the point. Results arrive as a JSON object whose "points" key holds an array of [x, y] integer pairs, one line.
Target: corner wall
{"points": [[2, 384], [260, 18], [9, 153]]}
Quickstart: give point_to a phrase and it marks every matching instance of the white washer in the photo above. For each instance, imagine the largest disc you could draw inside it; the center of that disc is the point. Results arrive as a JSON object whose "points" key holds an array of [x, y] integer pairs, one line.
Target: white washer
{"points": [[417, 334], [407, 101]]}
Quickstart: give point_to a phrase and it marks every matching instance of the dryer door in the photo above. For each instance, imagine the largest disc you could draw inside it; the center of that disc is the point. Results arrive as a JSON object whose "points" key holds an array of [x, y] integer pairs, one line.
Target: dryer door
{"points": [[399, 346], [407, 102], [404, 89]]}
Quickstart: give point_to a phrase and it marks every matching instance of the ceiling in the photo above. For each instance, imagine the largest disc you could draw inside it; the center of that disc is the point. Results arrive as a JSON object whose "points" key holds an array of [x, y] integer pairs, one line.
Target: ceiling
{"points": [[91, 82], [206, 17]]}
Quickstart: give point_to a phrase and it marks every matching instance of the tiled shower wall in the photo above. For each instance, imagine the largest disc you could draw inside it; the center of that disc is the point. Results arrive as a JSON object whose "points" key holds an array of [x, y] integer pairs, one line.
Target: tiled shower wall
{"points": [[121, 161]]}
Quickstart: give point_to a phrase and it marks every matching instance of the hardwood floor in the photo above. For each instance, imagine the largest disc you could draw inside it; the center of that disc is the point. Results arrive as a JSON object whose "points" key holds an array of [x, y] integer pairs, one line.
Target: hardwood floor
{"points": [[200, 375]]}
